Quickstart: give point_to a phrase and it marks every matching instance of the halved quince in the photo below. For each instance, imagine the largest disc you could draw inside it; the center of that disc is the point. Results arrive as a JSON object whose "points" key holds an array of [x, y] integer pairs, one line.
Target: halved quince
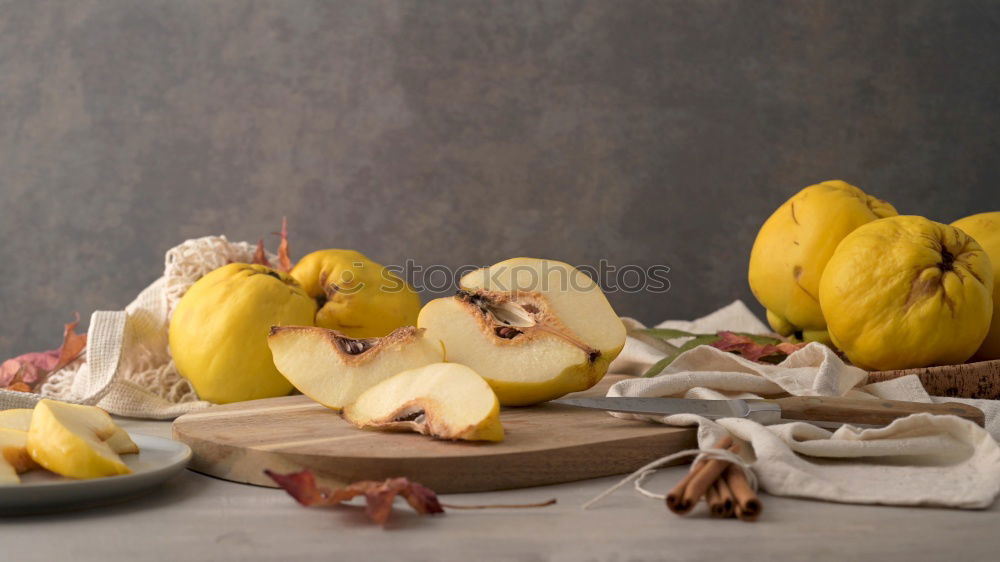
{"points": [[75, 441], [333, 369], [443, 400], [355, 295], [534, 329]]}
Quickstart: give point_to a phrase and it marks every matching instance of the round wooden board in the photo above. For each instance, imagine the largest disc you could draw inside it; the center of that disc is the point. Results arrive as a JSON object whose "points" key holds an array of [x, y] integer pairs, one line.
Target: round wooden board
{"points": [[968, 380], [545, 444]]}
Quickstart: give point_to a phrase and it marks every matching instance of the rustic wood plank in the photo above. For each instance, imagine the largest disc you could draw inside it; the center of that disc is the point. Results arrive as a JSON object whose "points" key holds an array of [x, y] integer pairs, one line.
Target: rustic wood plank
{"points": [[968, 380]]}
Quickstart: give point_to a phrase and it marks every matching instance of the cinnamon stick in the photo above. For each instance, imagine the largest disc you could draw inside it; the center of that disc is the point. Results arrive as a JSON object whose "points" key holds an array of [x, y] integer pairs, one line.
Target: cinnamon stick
{"points": [[704, 477], [717, 505], [747, 505], [675, 497], [720, 499]]}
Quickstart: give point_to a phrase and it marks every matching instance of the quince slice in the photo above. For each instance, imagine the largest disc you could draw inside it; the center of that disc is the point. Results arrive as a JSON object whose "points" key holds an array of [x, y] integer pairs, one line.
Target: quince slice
{"points": [[443, 400], [15, 418], [14, 458], [20, 419], [334, 369], [76, 441]]}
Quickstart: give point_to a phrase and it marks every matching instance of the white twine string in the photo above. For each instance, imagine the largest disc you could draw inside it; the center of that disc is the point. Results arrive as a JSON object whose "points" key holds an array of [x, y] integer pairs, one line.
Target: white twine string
{"points": [[641, 474]]}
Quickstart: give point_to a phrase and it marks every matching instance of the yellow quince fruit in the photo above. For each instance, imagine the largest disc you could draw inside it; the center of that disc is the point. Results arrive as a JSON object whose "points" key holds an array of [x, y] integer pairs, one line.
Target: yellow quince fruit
{"points": [[905, 292], [985, 229], [355, 295], [218, 332], [793, 246]]}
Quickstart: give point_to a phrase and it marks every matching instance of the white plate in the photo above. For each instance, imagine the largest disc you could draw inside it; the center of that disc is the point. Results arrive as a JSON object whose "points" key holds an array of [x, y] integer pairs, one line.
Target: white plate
{"points": [[158, 460]]}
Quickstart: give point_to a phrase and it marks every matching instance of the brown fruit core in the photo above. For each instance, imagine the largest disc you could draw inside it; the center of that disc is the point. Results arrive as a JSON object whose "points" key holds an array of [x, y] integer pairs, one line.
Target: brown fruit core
{"points": [[511, 319], [355, 347], [508, 333], [407, 417]]}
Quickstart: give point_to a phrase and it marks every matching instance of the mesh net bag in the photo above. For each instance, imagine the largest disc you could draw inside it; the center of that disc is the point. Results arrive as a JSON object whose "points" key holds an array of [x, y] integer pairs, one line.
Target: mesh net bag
{"points": [[127, 368]]}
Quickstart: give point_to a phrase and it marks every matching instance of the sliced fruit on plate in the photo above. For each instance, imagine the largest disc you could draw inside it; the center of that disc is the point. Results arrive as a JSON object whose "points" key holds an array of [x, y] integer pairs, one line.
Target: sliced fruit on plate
{"points": [[20, 419], [14, 458], [75, 441], [443, 400], [15, 418], [534, 329], [121, 443], [334, 369]]}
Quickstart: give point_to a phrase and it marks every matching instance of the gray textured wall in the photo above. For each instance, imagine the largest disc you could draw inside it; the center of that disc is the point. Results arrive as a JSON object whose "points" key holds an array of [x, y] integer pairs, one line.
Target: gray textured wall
{"points": [[461, 132]]}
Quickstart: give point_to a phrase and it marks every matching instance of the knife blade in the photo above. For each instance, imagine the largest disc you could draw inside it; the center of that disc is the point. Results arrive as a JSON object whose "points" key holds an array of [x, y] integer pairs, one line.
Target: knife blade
{"points": [[823, 410]]}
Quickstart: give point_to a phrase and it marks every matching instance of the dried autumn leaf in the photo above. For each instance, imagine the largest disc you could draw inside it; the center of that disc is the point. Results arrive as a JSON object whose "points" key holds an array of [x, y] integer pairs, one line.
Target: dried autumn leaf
{"points": [[25, 372], [260, 255], [763, 349], [379, 496], [756, 348], [27, 366], [19, 387], [284, 261], [72, 346]]}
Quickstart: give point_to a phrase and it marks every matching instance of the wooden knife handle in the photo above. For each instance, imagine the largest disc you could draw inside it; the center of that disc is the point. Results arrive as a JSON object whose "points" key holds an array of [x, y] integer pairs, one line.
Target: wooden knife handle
{"points": [[871, 412]]}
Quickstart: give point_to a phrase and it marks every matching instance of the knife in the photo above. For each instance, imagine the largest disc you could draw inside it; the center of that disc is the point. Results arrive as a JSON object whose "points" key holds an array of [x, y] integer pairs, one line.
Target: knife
{"points": [[821, 410]]}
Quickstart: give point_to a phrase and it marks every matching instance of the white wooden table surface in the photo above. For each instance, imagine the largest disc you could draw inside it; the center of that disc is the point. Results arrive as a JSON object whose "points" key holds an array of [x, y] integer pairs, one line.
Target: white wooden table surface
{"points": [[195, 517]]}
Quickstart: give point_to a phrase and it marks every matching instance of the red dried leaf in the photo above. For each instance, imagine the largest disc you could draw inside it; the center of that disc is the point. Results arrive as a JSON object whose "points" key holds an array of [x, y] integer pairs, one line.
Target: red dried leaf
{"points": [[9, 371], [73, 344], [260, 255], [284, 261], [379, 496], [27, 367], [746, 346], [25, 372], [19, 387]]}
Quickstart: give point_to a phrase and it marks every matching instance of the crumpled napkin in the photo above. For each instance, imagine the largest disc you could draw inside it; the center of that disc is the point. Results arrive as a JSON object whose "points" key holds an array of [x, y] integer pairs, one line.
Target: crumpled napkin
{"points": [[919, 460]]}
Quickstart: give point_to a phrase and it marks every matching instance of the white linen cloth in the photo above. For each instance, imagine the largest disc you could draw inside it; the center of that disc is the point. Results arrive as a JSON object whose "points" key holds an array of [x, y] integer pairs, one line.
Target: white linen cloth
{"points": [[127, 368], [919, 460]]}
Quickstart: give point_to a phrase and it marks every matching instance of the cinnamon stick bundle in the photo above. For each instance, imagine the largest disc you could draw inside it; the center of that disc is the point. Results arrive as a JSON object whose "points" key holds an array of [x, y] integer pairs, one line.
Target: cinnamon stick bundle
{"points": [[723, 485], [705, 476], [676, 498]]}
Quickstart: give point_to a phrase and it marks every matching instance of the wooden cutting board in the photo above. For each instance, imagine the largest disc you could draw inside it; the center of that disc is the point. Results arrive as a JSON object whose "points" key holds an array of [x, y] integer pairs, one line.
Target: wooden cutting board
{"points": [[545, 444]]}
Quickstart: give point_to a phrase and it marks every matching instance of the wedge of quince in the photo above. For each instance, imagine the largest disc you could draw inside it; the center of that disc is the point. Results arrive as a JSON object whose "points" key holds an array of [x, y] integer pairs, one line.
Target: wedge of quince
{"points": [[443, 400], [14, 457], [15, 418], [77, 441], [334, 369]]}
